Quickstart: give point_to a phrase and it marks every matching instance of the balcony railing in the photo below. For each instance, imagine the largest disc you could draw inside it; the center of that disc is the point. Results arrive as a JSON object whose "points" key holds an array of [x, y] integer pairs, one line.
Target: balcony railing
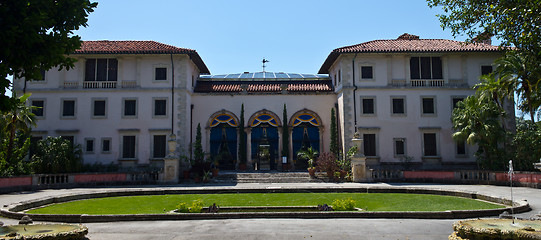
{"points": [[99, 84], [419, 83]]}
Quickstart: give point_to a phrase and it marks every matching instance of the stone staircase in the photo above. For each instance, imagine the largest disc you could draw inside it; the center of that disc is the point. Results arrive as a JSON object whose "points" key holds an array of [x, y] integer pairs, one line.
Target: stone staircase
{"points": [[265, 177]]}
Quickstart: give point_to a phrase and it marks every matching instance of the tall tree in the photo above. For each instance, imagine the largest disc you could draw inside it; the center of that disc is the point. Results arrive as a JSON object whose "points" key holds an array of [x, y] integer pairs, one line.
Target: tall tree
{"points": [[242, 136], [37, 35], [199, 155], [517, 23], [285, 134], [16, 123], [520, 73], [334, 134]]}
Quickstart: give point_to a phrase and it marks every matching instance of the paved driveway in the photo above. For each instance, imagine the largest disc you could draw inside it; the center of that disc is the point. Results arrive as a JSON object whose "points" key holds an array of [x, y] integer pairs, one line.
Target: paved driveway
{"points": [[282, 228]]}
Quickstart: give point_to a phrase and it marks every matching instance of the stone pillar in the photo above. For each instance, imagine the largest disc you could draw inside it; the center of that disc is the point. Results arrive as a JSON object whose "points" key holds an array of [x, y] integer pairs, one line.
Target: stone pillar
{"points": [[171, 162], [358, 162], [249, 148]]}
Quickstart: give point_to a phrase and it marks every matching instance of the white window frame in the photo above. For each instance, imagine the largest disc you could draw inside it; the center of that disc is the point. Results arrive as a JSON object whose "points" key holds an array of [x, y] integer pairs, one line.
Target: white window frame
{"points": [[110, 144], [396, 155], [43, 108], [361, 110], [437, 135], [435, 104], [93, 146], [124, 108], [361, 65], [405, 106], [93, 105], [126, 134], [154, 107], [74, 108], [167, 74], [159, 132]]}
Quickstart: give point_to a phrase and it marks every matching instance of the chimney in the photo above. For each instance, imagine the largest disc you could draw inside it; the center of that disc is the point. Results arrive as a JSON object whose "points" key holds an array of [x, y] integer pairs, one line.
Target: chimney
{"points": [[485, 38]]}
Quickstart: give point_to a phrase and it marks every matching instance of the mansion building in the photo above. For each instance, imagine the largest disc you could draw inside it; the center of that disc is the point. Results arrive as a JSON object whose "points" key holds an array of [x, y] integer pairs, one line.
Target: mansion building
{"points": [[123, 100]]}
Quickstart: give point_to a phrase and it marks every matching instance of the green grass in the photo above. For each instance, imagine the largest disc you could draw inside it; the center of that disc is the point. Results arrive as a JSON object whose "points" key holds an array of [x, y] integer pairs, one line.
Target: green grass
{"points": [[162, 203]]}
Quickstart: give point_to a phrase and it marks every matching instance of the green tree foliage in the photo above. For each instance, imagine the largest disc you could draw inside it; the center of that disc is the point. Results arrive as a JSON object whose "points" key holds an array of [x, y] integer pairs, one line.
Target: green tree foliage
{"points": [[37, 35], [57, 155], [309, 154], [242, 136], [334, 134], [199, 155], [526, 143], [519, 72], [285, 134], [477, 121], [15, 125], [516, 23]]}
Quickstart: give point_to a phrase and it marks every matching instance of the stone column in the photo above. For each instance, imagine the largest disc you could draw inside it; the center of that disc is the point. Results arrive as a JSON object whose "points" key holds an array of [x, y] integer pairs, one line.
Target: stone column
{"points": [[249, 148], [358, 162], [171, 162]]}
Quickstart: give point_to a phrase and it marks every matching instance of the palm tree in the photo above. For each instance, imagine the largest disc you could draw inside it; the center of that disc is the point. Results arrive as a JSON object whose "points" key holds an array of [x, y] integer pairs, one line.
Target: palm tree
{"points": [[18, 118], [309, 154], [521, 73], [477, 121]]}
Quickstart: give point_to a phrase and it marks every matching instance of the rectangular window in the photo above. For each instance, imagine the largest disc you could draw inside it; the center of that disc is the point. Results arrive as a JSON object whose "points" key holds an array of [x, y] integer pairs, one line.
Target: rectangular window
{"points": [[159, 145], [71, 139], [160, 107], [161, 73], [485, 70], [428, 105], [68, 108], [130, 108], [38, 107], [430, 145], [366, 72], [99, 108], [369, 141], [128, 146], [398, 106], [89, 148], [368, 106], [461, 147], [105, 145], [399, 146], [101, 69], [426, 68], [42, 75], [456, 101]]}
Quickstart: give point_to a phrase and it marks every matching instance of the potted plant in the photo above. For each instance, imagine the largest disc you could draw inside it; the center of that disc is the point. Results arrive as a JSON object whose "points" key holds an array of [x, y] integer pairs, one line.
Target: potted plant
{"points": [[206, 176], [310, 155]]}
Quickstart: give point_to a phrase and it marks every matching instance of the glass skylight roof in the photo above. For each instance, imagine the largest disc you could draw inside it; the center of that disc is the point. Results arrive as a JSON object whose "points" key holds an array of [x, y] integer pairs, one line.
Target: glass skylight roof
{"points": [[266, 76]]}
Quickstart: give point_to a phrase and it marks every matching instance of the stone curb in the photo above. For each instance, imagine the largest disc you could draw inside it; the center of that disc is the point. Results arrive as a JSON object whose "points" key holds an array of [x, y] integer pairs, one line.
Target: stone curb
{"points": [[15, 210]]}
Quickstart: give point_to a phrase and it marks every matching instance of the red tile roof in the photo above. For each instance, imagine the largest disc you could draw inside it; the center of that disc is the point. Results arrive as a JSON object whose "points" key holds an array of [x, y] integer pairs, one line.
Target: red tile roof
{"points": [[407, 43], [138, 47], [262, 87]]}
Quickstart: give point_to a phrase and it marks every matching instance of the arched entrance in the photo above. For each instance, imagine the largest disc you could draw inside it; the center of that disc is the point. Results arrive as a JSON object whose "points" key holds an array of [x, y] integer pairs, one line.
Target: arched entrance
{"points": [[223, 139], [264, 140], [305, 134]]}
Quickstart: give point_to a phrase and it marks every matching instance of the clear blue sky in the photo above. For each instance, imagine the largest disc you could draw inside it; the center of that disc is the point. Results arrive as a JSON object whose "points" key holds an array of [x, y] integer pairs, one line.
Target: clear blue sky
{"points": [[234, 36]]}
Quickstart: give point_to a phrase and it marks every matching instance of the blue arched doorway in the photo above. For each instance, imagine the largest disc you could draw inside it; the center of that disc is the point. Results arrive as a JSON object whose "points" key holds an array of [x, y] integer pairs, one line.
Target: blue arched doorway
{"points": [[223, 140], [264, 140], [305, 134]]}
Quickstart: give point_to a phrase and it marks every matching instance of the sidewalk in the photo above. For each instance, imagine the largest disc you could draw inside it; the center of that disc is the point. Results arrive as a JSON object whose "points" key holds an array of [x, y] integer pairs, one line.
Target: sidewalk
{"points": [[281, 228]]}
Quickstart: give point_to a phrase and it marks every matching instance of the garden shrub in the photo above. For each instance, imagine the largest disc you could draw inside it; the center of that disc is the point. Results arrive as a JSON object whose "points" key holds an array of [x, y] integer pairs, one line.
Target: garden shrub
{"points": [[344, 204], [327, 162], [196, 207]]}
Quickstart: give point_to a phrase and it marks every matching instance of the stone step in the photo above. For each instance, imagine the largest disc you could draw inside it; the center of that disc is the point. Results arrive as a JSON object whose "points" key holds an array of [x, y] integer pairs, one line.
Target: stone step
{"points": [[267, 177]]}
